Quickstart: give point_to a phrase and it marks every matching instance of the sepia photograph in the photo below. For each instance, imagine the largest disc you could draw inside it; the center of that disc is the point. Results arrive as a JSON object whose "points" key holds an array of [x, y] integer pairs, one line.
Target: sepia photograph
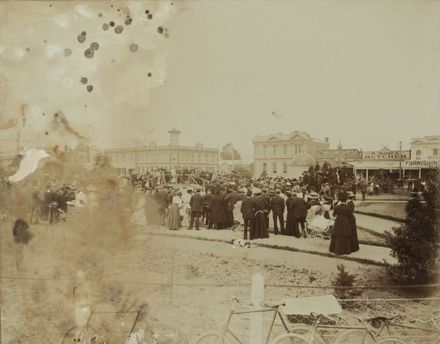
{"points": [[219, 171]]}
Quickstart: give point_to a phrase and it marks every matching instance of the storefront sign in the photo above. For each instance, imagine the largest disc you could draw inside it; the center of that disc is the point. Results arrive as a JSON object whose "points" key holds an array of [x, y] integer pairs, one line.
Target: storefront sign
{"points": [[422, 163]]}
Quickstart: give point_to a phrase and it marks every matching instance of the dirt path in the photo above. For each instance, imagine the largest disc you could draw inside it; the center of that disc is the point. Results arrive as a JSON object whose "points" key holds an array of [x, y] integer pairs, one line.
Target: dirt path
{"points": [[185, 283]]}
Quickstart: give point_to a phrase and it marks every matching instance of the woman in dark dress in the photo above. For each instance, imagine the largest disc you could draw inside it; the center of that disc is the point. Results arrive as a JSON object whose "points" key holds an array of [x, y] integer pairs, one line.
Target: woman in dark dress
{"points": [[350, 204], [342, 237], [218, 210], [260, 223]]}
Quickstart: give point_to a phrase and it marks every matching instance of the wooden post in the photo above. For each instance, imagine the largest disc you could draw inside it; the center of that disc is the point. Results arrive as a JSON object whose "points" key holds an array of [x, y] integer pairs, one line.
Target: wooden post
{"points": [[257, 319]]}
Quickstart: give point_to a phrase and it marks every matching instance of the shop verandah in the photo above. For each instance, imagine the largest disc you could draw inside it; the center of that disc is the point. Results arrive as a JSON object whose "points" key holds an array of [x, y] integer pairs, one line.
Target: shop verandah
{"points": [[407, 169]]}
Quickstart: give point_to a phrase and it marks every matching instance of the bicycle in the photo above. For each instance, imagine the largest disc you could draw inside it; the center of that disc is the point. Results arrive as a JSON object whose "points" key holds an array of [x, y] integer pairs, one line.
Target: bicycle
{"points": [[356, 334], [309, 333], [85, 333], [227, 334]]}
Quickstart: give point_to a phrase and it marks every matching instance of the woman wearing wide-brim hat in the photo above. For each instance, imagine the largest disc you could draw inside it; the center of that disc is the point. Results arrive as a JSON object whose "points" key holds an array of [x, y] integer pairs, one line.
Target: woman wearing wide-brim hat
{"points": [[174, 219]]}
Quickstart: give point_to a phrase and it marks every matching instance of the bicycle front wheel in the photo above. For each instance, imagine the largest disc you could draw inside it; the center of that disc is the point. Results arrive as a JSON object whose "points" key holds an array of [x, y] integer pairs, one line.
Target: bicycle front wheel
{"points": [[211, 338], [391, 340], [291, 338]]}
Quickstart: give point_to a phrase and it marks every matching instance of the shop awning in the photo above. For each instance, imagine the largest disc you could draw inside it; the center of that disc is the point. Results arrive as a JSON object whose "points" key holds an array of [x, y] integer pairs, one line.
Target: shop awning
{"points": [[382, 165]]}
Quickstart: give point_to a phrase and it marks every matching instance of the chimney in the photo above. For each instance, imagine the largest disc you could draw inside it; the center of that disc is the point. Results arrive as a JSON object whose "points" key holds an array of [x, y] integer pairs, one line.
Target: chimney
{"points": [[174, 137]]}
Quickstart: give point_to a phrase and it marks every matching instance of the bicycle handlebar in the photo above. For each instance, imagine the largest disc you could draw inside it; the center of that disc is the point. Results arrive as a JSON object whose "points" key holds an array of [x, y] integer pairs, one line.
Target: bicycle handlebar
{"points": [[317, 315], [377, 318], [433, 320]]}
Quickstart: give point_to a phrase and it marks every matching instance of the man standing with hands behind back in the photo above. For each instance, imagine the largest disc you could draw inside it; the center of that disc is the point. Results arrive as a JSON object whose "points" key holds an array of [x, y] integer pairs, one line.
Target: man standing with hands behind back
{"points": [[247, 211], [277, 206], [196, 204]]}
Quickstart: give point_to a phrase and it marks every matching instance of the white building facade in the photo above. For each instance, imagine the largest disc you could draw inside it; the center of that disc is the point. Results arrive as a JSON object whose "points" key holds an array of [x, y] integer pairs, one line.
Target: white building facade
{"points": [[287, 155]]}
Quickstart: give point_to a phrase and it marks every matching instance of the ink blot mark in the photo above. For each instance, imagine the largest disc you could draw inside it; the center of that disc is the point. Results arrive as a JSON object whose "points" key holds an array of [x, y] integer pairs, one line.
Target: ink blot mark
{"points": [[149, 75], [88, 53], [100, 15], [94, 46], [133, 47], [67, 52], [84, 80], [150, 16], [147, 11], [89, 88], [105, 26], [81, 38], [119, 29], [46, 133], [62, 120], [112, 23], [28, 49], [128, 21], [160, 29]]}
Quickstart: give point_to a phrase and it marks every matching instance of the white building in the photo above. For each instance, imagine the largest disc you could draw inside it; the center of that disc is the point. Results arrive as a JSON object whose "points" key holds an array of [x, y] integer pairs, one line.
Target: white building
{"points": [[287, 155], [141, 159], [425, 148]]}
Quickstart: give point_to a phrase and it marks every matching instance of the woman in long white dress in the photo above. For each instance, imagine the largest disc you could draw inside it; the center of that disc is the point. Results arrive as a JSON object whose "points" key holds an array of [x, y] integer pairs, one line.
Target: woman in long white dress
{"points": [[174, 217], [139, 218]]}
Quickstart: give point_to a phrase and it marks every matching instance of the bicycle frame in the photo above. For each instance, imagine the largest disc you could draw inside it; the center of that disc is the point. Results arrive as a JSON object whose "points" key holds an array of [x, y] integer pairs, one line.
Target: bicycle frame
{"points": [[275, 311]]}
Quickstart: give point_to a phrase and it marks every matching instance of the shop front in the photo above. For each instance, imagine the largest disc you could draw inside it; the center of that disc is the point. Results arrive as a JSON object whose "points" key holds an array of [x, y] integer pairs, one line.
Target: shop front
{"points": [[406, 169]]}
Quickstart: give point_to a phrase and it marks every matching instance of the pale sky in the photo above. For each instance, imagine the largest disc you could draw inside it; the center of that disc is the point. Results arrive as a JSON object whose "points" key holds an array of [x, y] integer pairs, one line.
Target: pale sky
{"points": [[363, 72]]}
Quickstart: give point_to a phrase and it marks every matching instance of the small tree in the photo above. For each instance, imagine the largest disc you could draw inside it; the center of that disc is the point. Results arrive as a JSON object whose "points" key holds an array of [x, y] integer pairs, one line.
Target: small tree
{"points": [[229, 152], [344, 282], [415, 243]]}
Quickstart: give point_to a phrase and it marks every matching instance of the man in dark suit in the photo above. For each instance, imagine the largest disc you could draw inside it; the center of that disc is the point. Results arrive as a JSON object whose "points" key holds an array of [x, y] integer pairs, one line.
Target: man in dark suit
{"points": [[277, 206], [247, 211], [196, 204], [299, 214], [266, 197]]}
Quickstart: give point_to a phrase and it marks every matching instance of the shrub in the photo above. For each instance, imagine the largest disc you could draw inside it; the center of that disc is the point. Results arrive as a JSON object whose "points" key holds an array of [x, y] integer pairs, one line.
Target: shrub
{"points": [[415, 243], [345, 281]]}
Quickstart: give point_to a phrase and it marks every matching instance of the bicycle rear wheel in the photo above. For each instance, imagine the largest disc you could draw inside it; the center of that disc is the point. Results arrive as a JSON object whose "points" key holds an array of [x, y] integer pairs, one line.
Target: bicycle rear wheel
{"points": [[211, 338], [391, 340], [291, 338], [355, 336]]}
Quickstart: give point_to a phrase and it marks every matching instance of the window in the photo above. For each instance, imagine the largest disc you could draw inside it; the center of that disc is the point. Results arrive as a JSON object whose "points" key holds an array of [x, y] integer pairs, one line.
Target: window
{"points": [[418, 154], [274, 150], [264, 167], [274, 167], [284, 167], [435, 151], [264, 150], [284, 149]]}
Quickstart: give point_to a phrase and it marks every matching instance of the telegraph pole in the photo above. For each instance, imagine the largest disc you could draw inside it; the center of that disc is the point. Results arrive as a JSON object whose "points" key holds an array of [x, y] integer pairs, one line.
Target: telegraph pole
{"points": [[400, 159]]}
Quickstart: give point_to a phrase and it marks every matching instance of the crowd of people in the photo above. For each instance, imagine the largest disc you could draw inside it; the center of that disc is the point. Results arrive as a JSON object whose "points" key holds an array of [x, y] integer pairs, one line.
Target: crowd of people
{"points": [[230, 198], [195, 199]]}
